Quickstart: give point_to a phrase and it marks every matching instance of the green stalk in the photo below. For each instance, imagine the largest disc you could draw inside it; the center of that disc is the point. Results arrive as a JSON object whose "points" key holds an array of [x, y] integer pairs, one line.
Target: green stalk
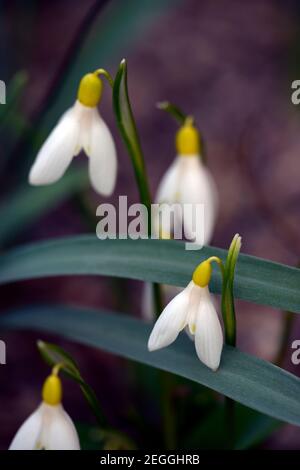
{"points": [[127, 127], [181, 118], [287, 327], [288, 323], [55, 356], [128, 130], [229, 319], [173, 110]]}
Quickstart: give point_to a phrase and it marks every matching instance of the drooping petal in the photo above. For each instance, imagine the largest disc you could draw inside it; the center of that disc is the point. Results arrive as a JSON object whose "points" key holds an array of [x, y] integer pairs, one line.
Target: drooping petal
{"points": [[57, 152], [194, 300], [209, 335], [27, 436], [194, 303], [167, 195], [169, 184], [198, 187], [148, 307], [60, 432], [171, 321], [103, 157]]}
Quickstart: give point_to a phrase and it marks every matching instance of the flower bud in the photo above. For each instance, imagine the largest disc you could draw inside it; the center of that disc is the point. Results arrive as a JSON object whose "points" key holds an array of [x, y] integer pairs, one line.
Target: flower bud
{"points": [[52, 390], [90, 90]]}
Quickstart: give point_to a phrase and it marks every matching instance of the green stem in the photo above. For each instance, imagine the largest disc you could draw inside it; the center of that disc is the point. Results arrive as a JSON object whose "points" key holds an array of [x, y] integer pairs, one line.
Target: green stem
{"points": [[288, 323], [182, 118], [83, 203], [106, 74], [129, 133], [128, 130], [230, 422], [169, 427], [229, 318], [173, 110]]}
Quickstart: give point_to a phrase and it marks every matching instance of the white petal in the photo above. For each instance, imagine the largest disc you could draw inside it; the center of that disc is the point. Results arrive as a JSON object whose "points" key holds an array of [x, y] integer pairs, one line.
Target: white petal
{"points": [[167, 194], [168, 186], [60, 432], [194, 301], [209, 335], [171, 321], [198, 187], [57, 152], [27, 436], [148, 307], [103, 157]]}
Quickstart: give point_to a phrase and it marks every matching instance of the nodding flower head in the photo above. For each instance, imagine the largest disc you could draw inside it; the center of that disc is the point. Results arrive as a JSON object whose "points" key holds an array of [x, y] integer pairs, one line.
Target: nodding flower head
{"points": [[193, 308], [49, 427], [52, 390], [188, 139], [188, 182], [80, 128], [90, 90]]}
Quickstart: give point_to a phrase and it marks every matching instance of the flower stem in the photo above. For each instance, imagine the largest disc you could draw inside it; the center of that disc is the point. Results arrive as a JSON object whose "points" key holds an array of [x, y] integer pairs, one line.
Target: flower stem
{"points": [[228, 312], [288, 323], [230, 422], [106, 74], [173, 110], [169, 427], [128, 130]]}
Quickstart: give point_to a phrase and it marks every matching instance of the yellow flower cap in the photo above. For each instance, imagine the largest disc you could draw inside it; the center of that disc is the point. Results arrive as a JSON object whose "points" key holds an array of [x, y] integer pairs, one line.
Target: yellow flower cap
{"points": [[90, 90], [202, 274], [52, 390], [188, 139]]}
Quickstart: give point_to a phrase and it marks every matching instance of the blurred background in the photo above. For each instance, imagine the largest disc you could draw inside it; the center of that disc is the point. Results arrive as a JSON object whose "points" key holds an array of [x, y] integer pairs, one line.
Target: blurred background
{"points": [[231, 65]]}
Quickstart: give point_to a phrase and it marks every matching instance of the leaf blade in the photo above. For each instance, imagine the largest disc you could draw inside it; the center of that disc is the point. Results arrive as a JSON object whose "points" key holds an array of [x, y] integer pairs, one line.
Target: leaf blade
{"points": [[164, 261], [244, 378]]}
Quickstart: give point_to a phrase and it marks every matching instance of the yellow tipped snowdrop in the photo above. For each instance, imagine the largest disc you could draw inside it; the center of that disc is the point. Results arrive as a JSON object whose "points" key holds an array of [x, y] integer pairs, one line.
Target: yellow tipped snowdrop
{"points": [[80, 128], [49, 427], [192, 308], [188, 181]]}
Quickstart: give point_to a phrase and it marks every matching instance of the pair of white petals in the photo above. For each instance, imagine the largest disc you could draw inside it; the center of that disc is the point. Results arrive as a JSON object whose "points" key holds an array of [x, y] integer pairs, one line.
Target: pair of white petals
{"points": [[192, 308], [81, 127], [188, 181], [47, 428]]}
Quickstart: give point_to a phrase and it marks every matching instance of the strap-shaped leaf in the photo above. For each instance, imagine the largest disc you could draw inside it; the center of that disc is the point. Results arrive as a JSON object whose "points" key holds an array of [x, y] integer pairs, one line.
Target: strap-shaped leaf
{"points": [[244, 378], [163, 261], [28, 203]]}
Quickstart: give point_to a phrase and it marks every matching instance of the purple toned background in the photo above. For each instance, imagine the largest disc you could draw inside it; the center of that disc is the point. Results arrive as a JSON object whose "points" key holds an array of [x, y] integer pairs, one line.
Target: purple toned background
{"points": [[231, 64]]}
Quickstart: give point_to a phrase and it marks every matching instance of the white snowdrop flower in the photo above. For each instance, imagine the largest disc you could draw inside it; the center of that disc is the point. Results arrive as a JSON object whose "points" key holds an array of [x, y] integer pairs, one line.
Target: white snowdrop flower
{"points": [[188, 181], [192, 308], [49, 427], [148, 304], [80, 128]]}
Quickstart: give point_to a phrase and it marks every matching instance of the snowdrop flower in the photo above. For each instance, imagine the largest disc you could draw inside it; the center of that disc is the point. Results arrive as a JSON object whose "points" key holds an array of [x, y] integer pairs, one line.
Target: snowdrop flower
{"points": [[188, 181], [49, 427], [148, 304], [80, 128], [192, 308]]}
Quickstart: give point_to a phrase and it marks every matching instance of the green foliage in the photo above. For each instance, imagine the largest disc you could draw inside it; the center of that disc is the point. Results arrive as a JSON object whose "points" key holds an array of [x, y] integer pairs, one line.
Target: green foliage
{"points": [[244, 378], [164, 261], [24, 206], [53, 355]]}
